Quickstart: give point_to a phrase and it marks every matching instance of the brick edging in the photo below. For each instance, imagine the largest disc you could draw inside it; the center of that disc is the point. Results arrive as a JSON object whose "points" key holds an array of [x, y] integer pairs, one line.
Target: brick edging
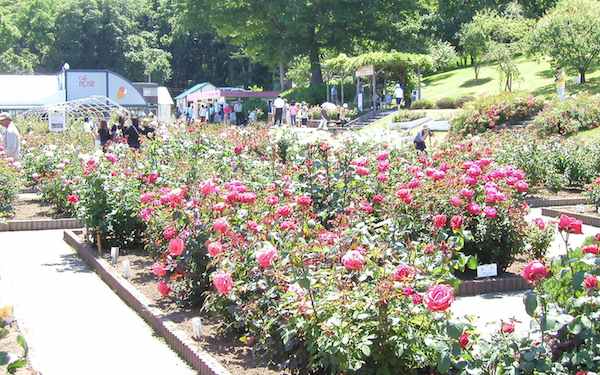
{"points": [[593, 221], [536, 202], [492, 285], [45, 224], [199, 359]]}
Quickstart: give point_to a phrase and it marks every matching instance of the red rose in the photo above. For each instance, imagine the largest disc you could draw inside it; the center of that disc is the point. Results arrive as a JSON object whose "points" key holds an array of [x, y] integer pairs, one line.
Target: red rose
{"points": [[591, 249], [403, 273], [590, 282], [304, 200], [463, 340], [439, 221], [72, 199], [163, 288], [507, 327], [439, 297], [569, 224], [535, 271]]}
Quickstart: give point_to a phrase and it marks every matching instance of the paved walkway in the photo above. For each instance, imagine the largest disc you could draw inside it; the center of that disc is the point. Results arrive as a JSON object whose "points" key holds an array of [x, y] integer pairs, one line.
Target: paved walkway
{"points": [[72, 321]]}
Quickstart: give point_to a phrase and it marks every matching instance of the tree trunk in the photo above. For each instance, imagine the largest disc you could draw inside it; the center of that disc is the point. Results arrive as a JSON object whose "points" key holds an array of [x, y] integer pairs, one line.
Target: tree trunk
{"points": [[582, 76], [314, 56], [281, 76]]}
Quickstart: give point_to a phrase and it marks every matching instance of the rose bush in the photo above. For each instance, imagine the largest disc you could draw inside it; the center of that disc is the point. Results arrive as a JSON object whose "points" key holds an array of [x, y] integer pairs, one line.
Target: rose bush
{"points": [[10, 183]]}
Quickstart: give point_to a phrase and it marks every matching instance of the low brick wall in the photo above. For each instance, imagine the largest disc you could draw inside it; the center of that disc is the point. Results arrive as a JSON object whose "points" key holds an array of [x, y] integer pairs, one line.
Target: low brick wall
{"points": [[536, 202], [50, 224], [199, 359], [492, 285], [586, 219]]}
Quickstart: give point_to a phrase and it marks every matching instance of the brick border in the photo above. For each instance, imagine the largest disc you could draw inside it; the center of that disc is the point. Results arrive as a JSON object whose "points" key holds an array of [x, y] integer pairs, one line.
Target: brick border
{"points": [[593, 221], [199, 359], [537, 202], [492, 285], [46, 224]]}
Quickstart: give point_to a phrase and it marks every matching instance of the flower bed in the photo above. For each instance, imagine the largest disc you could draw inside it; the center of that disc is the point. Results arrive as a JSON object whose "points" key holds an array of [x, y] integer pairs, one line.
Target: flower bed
{"points": [[10, 183], [492, 112], [569, 116]]}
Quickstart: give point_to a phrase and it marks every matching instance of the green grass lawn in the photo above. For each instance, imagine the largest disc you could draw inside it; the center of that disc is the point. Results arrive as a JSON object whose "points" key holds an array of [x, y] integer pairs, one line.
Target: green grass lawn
{"points": [[537, 77]]}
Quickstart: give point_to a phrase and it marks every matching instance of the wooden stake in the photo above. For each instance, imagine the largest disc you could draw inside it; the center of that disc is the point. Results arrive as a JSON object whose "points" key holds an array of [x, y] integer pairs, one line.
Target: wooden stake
{"points": [[98, 243]]}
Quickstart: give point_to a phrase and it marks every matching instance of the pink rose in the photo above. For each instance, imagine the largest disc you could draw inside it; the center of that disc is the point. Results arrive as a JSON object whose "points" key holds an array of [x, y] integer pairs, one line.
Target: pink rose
{"points": [[366, 207], [176, 247], [169, 233], [590, 282], [490, 212], [362, 171], [284, 211], [304, 200], [456, 222], [535, 271], [112, 158], [439, 221], [353, 260], [417, 299], [378, 198], [158, 270], [382, 178], [272, 200], [238, 149], [72, 198], [569, 224], [383, 156], [266, 256], [463, 340], [439, 298], [152, 178], [403, 273], [223, 282], [208, 187], [146, 198], [597, 236], [539, 222], [221, 225], [214, 248], [473, 208], [522, 186], [467, 193], [247, 198], [163, 288], [456, 201]]}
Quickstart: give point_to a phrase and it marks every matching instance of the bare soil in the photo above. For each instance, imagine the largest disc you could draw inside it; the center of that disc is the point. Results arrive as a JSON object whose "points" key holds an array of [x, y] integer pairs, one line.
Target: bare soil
{"points": [[237, 357], [588, 210], [29, 206], [561, 194]]}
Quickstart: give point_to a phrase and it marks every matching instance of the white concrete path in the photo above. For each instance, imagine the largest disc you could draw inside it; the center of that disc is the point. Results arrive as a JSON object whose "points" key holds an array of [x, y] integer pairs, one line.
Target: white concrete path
{"points": [[72, 321]]}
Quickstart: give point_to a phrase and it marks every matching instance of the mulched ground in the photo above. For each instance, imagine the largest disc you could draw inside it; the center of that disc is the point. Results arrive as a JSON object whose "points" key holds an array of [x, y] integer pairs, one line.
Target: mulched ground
{"points": [[29, 206], [588, 210], [562, 194], [238, 358]]}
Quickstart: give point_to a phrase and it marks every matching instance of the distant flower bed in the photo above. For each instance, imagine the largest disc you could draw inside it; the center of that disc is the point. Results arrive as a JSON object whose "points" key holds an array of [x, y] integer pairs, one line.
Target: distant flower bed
{"points": [[493, 112], [569, 116]]}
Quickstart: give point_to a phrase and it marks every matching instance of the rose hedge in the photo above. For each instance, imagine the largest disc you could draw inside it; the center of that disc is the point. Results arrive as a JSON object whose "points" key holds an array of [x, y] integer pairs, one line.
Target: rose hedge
{"points": [[10, 183], [492, 112], [569, 116]]}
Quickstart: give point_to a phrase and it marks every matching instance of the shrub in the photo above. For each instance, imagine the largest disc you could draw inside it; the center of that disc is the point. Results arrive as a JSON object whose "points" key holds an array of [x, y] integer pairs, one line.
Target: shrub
{"points": [[9, 186], [593, 193], [569, 116], [422, 104], [405, 115], [446, 103], [492, 112]]}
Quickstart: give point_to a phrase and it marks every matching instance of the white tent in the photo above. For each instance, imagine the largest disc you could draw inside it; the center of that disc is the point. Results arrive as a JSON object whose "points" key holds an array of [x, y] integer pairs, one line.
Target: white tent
{"points": [[29, 91], [165, 104]]}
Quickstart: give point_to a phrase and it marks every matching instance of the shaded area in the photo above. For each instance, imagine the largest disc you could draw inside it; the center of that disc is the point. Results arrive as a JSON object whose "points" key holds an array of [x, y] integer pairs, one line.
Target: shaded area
{"points": [[476, 82], [69, 263]]}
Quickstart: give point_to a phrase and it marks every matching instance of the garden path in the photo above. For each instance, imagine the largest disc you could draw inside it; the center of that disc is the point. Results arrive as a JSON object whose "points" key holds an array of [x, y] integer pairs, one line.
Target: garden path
{"points": [[72, 321]]}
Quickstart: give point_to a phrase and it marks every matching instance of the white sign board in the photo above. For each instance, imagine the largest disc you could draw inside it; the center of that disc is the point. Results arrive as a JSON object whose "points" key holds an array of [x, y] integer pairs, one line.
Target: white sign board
{"points": [[57, 121], [82, 84], [365, 71], [121, 91], [487, 270]]}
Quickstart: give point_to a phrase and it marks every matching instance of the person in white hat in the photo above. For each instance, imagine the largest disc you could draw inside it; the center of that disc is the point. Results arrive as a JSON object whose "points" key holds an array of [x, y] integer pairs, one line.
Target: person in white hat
{"points": [[12, 138]]}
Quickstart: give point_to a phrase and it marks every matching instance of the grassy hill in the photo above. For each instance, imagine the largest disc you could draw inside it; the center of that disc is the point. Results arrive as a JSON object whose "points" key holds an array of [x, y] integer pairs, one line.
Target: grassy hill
{"points": [[537, 77]]}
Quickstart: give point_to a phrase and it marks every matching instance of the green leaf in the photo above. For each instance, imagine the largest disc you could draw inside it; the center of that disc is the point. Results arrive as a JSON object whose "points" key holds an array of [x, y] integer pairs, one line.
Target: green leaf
{"points": [[472, 264], [3, 358], [454, 330], [444, 363], [578, 280], [13, 367], [530, 301], [23, 344]]}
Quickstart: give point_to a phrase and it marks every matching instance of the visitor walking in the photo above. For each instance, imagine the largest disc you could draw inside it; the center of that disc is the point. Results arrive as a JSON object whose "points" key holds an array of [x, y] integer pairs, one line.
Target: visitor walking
{"points": [[420, 139], [399, 95], [304, 114], [203, 114], [293, 113], [189, 114], [104, 134], [237, 108], [132, 134], [323, 122], [279, 104], [12, 138], [561, 82], [226, 112]]}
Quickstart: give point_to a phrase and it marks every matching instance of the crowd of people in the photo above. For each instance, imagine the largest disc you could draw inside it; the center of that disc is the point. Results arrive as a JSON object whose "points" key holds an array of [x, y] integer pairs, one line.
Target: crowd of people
{"points": [[124, 129]]}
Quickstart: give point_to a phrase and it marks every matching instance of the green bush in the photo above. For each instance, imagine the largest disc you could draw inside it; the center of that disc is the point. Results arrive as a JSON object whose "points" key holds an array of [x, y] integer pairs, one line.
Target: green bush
{"points": [[9, 187], [569, 116], [404, 116], [492, 112], [422, 104], [446, 103], [317, 94]]}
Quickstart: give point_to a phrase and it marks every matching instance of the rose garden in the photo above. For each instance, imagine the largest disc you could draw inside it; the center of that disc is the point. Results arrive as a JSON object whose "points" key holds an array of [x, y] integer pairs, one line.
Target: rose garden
{"points": [[242, 247]]}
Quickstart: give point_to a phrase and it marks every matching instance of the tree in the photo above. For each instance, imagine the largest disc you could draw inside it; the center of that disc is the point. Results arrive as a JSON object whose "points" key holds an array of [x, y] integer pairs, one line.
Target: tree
{"points": [[570, 35], [442, 55]]}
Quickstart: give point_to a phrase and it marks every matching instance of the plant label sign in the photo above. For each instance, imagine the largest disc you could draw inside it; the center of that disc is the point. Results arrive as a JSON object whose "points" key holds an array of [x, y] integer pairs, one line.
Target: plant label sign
{"points": [[487, 270]]}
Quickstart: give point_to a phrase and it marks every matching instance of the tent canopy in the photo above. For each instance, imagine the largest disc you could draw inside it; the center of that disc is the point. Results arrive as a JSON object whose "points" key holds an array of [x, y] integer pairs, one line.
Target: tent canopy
{"points": [[26, 91]]}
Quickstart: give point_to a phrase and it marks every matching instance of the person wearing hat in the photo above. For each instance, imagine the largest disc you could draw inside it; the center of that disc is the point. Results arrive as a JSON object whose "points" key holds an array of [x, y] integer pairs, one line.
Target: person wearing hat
{"points": [[420, 139], [12, 138]]}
